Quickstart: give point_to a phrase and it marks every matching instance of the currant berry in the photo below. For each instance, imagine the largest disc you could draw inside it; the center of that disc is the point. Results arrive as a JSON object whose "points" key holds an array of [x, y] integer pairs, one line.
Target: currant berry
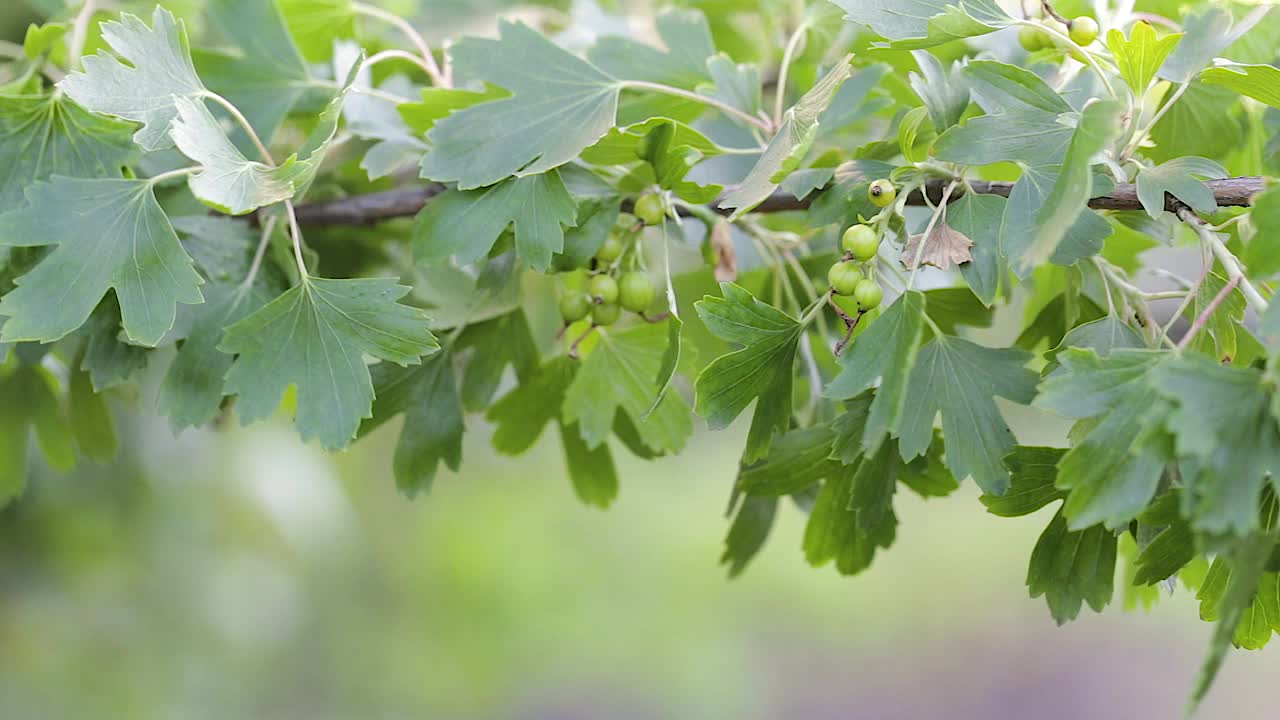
{"points": [[861, 242], [609, 251], [882, 193], [844, 278], [1084, 30], [574, 306], [604, 289], [635, 292], [868, 294], [606, 314], [649, 209], [1033, 38]]}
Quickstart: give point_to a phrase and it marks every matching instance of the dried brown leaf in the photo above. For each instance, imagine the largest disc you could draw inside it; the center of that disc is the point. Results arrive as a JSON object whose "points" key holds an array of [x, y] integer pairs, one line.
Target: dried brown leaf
{"points": [[945, 248], [726, 255]]}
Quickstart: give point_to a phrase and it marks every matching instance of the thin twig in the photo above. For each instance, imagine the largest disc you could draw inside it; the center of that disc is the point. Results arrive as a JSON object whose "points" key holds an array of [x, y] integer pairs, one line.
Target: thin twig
{"points": [[1203, 319], [80, 32], [1230, 263], [704, 99], [438, 78]]}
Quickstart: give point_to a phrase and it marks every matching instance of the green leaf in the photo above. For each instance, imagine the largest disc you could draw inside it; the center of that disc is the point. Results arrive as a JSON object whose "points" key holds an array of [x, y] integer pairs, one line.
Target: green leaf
{"points": [[1171, 548], [29, 402], [791, 143], [1140, 56], [522, 414], [591, 470], [191, 393], [227, 181], [1223, 422], [314, 337], [44, 136], [1098, 128], [1072, 568], [796, 460], [109, 361], [560, 105], [1202, 122], [41, 39], [466, 223], [1030, 137], [159, 71], [91, 422], [262, 74], [1176, 178], [750, 528], [1260, 82], [687, 39], [945, 93], [1032, 471], [762, 370], [1008, 88], [951, 308], [910, 24], [886, 350], [315, 24], [118, 238], [979, 218], [620, 374], [1243, 569], [427, 396], [1223, 331], [853, 516], [625, 145], [1262, 254], [439, 103], [1084, 237], [1088, 385], [495, 344], [960, 380], [1208, 31]]}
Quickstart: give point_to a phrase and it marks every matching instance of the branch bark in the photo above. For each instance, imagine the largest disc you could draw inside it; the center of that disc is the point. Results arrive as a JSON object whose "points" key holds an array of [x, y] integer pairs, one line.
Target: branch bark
{"points": [[405, 201]]}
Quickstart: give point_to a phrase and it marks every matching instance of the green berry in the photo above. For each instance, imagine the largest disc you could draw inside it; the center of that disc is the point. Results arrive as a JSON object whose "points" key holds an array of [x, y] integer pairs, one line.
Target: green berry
{"points": [[606, 314], [574, 306], [635, 292], [604, 289], [861, 242], [868, 294], [1084, 30], [609, 251], [844, 277], [1033, 38], [882, 193], [625, 222], [649, 209]]}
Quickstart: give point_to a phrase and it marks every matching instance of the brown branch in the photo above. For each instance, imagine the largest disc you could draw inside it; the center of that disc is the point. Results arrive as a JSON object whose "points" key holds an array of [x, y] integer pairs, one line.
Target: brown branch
{"points": [[405, 201]]}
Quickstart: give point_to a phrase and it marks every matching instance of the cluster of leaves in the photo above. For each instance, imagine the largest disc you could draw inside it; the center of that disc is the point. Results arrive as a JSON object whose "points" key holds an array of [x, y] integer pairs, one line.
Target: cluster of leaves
{"points": [[146, 219]]}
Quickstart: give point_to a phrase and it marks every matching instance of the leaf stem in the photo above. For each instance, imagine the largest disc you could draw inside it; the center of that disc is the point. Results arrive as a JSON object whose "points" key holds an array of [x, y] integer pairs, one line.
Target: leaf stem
{"points": [[172, 174], [243, 122], [258, 254], [1230, 263], [780, 97], [296, 233], [1203, 319], [429, 61], [397, 54], [1142, 134], [704, 99], [80, 33]]}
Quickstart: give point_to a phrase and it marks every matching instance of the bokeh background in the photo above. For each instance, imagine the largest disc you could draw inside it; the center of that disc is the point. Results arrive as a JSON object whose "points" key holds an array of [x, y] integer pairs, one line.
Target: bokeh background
{"points": [[239, 574]]}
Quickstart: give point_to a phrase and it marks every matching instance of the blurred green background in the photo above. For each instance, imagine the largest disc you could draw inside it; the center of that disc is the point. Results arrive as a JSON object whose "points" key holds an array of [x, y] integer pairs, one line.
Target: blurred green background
{"points": [[239, 574]]}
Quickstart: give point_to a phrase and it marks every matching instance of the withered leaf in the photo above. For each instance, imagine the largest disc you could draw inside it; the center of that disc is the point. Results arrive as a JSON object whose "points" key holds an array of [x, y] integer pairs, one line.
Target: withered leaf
{"points": [[945, 248]]}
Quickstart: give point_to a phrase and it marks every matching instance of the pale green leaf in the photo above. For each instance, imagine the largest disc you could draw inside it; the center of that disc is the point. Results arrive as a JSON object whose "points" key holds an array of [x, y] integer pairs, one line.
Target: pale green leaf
{"points": [[465, 224], [1140, 55], [1260, 82], [315, 337], [1178, 178], [159, 70], [315, 24], [924, 23], [560, 105], [688, 45], [118, 238], [1002, 88]]}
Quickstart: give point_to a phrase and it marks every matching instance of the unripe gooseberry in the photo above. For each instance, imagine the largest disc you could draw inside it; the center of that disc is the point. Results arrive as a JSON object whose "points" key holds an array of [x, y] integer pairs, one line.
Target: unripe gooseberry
{"points": [[635, 292], [649, 209], [1084, 30], [606, 314], [844, 278], [574, 306], [610, 250], [882, 193], [868, 294], [1033, 38], [861, 242], [604, 289]]}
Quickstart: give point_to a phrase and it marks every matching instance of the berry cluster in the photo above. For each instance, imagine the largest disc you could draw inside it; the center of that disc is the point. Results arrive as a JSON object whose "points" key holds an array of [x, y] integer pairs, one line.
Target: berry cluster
{"points": [[610, 289], [851, 276]]}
